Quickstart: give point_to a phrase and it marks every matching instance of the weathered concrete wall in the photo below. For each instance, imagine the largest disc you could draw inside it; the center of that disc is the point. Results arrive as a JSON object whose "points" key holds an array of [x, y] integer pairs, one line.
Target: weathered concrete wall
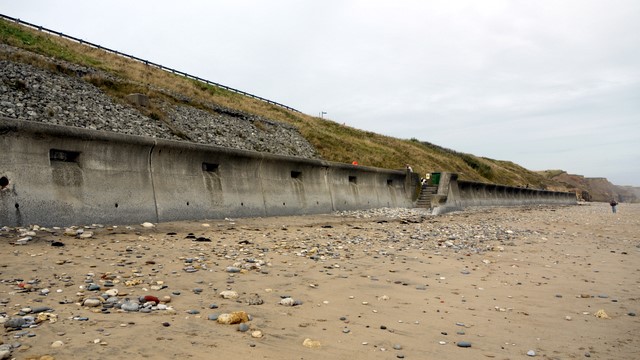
{"points": [[462, 194], [102, 179], [62, 176]]}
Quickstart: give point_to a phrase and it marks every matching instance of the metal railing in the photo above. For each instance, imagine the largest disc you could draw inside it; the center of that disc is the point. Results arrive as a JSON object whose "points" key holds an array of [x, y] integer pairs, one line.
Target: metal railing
{"points": [[146, 62]]}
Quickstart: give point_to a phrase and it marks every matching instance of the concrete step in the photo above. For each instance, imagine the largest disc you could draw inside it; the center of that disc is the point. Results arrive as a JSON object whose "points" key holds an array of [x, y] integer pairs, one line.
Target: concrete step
{"points": [[424, 201], [426, 193]]}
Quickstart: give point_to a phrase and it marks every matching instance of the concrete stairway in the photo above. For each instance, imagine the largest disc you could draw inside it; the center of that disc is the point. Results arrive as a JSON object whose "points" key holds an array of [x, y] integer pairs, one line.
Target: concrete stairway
{"points": [[426, 193]]}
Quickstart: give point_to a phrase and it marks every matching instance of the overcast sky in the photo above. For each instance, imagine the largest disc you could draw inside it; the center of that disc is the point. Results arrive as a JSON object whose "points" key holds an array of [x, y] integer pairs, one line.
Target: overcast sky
{"points": [[547, 84]]}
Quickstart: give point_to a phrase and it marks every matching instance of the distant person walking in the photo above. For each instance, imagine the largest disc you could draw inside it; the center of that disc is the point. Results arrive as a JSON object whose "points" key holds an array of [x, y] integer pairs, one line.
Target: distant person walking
{"points": [[613, 204]]}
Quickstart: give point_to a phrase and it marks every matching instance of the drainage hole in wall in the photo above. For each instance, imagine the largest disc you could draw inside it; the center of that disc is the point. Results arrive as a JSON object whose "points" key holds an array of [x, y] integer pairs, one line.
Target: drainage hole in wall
{"points": [[210, 167], [4, 182], [241, 204], [116, 205], [283, 204], [64, 155], [17, 206], [187, 203]]}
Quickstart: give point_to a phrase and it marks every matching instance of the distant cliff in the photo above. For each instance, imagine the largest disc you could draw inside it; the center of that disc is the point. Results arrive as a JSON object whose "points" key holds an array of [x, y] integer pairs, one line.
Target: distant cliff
{"points": [[594, 189]]}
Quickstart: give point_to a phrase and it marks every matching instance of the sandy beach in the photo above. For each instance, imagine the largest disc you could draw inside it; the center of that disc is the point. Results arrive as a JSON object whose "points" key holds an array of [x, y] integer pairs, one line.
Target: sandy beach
{"points": [[499, 283]]}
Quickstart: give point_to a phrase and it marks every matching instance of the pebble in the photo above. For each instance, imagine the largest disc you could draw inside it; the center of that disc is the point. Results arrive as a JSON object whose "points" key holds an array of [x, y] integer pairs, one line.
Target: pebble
{"points": [[235, 317], [312, 344], [15, 323], [130, 306], [57, 344], [255, 300], [531, 353], [463, 344], [40, 309], [290, 302], [229, 294], [243, 327]]}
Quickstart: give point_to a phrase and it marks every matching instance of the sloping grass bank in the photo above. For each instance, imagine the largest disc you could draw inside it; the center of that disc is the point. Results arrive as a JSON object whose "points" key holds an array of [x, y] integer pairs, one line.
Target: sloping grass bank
{"points": [[334, 142]]}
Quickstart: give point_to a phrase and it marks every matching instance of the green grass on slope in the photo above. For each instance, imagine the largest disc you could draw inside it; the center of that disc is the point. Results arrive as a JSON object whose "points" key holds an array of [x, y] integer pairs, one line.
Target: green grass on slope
{"points": [[333, 141]]}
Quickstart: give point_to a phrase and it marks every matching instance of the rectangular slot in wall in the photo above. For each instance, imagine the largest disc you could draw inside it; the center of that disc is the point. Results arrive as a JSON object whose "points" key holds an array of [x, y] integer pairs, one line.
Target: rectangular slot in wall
{"points": [[296, 174], [63, 155], [389, 182], [353, 180], [209, 167]]}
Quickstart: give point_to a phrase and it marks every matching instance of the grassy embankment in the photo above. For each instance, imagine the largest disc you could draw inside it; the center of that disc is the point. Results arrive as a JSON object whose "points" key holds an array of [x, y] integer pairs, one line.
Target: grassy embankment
{"points": [[333, 141]]}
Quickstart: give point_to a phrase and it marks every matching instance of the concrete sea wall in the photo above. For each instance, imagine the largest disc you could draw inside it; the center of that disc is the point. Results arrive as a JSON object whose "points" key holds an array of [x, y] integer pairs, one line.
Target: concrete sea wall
{"points": [[55, 175], [454, 194]]}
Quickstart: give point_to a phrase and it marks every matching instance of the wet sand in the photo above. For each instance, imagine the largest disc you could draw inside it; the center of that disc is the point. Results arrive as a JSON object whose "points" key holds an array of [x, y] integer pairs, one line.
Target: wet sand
{"points": [[507, 281]]}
